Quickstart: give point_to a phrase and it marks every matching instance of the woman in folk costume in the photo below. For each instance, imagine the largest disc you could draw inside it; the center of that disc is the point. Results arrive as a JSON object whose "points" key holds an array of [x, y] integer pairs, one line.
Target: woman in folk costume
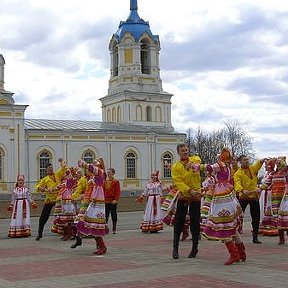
{"points": [[224, 218], [20, 225], [278, 209], [207, 188], [282, 220], [78, 195], [55, 228], [169, 207], [152, 219], [65, 217], [93, 222], [265, 200]]}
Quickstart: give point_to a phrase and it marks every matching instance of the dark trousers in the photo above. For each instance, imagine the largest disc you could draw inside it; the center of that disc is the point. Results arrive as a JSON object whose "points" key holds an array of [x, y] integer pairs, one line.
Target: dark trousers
{"points": [[194, 215], [111, 208], [45, 214], [254, 212]]}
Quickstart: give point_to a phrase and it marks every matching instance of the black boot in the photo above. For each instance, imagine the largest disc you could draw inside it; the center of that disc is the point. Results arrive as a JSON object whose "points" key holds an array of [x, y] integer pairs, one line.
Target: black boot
{"points": [[114, 227], [77, 243], [194, 250], [38, 237], [175, 253], [255, 238]]}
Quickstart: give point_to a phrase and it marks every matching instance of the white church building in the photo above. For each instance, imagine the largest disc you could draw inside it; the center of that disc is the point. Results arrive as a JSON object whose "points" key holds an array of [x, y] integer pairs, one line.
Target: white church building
{"points": [[135, 135]]}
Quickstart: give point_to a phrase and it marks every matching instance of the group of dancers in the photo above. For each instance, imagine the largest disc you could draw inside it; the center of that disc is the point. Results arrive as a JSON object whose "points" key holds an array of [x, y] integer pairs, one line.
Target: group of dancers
{"points": [[215, 206], [63, 189]]}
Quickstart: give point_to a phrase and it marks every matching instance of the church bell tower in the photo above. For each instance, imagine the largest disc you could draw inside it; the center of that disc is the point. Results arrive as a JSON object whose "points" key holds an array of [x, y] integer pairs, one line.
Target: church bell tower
{"points": [[135, 93]]}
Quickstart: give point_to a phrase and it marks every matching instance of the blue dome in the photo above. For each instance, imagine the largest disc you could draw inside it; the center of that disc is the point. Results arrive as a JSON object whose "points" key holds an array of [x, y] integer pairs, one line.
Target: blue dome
{"points": [[134, 25]]}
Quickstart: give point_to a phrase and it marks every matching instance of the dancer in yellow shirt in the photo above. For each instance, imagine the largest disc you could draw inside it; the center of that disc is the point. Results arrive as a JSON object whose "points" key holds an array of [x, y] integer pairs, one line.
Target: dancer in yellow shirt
{"points": [[245, 184]]}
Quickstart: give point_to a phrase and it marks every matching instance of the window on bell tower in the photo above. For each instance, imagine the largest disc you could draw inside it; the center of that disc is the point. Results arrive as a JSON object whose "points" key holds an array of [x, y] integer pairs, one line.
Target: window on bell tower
{"points": [[115, 60], [145, 57], [149, 113]]}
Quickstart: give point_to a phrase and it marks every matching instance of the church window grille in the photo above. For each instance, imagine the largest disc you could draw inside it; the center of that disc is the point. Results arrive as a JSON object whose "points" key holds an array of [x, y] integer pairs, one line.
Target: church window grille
{"points": [[88, 156], [44, 159], [166, 163], [131, 165]]}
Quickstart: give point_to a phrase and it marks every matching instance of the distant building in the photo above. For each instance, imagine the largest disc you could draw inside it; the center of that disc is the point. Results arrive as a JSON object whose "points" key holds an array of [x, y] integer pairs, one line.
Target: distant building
{"points": [[135, 136]]}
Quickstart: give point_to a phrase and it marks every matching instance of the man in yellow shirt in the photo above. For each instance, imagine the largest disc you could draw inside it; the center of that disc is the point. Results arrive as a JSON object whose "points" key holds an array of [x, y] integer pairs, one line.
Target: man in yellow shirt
{"points": [[245, 184], [186, 177], [50, 185]]}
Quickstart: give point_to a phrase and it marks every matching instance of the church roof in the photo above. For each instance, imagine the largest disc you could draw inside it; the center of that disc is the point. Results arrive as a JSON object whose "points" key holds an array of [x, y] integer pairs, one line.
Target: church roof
{"points": [[134, 25], [91, 126]]}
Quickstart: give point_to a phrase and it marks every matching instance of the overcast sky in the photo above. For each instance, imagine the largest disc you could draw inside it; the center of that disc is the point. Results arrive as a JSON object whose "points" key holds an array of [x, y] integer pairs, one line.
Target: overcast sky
{"points": [[223, 60]]}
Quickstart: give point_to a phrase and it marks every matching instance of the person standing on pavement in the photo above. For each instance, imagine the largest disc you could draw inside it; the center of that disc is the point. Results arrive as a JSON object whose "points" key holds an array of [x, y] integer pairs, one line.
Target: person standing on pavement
{"points": [[245, 184], [153, 192], [50, 185], [186, 177], [112, 195], [20, 225]]}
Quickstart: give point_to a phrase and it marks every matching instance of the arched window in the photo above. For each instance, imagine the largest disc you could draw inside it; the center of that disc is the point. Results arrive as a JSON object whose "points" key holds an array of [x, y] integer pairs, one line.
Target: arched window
{"points": [[88, 156], [148, 113], [139, 113], [166, 164], [115, 60], [44, 159], [1, 165], [113, 115], [158, 114], [131, 165], [118, 114], [108, 115], [145, 57]]}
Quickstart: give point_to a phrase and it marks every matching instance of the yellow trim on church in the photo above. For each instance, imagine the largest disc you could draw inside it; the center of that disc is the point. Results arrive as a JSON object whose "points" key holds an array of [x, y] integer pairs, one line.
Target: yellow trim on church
{"points": [[5, 114], [3, 101], [128, 56]]}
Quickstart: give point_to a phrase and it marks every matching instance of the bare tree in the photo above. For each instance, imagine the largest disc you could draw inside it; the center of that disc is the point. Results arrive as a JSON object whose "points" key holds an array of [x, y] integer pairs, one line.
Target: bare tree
{"points": [[208, 144]]}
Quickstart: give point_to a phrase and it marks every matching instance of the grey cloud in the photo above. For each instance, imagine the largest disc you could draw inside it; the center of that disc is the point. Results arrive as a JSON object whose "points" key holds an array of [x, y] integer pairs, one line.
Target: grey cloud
{"points": [[222, 45], [190, 113], [272, 130], [269, 146], [37, 33], [262, 89], [28, 26]]}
